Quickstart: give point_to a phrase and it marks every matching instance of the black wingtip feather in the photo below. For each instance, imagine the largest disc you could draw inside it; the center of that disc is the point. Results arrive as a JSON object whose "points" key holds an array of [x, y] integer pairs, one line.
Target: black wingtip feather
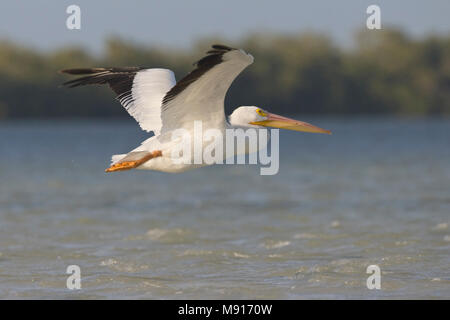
{"points": [[213, 57], [79, 71], [222, 47], [119, 79]]}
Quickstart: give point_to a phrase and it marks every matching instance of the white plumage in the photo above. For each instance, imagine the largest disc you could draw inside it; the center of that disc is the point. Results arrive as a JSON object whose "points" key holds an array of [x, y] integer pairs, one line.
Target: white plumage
{"points": [[144, 101], [162, 105]]}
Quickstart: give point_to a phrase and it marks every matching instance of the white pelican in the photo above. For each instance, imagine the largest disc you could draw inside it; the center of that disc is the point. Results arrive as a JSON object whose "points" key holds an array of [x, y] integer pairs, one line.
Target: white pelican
{"points": [[160, 104]]}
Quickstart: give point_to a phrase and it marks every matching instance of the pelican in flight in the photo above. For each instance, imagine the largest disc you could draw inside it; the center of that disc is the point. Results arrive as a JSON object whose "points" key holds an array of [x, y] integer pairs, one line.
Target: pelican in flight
{"points": [[160, 104]]}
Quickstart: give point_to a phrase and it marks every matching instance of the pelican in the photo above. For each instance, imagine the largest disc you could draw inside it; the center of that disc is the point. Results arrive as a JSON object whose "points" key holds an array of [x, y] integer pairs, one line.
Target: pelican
{"points": [[161, 105]]}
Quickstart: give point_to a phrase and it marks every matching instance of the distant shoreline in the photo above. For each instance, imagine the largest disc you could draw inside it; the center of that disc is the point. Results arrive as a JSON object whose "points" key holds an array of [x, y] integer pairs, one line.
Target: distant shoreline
{"points": [[387, 72]]}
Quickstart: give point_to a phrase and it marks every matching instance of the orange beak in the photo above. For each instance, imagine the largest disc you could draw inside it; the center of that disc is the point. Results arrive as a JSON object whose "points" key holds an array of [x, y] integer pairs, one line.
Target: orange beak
{"points": [[276, 121]]}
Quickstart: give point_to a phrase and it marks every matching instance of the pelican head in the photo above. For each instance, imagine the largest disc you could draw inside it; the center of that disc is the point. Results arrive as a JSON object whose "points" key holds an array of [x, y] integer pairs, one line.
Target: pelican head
{"points": [[254, 117]]}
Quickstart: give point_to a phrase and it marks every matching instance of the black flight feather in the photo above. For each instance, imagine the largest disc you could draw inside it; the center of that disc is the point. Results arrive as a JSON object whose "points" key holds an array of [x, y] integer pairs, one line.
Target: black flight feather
{"points": [[213, 58]]}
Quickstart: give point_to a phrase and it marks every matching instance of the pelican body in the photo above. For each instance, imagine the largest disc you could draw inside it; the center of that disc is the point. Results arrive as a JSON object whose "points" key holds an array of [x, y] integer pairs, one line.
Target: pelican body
{"points": [[163, 106]]}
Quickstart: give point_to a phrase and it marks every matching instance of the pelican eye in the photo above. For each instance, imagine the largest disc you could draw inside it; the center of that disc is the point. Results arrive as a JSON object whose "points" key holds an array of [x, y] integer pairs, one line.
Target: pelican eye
{"points": [[261, 113]]}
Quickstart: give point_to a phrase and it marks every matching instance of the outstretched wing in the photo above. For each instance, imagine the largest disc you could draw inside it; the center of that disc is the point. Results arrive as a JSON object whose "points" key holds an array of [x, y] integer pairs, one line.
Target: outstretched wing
{"points": [[158, 104], [201, 94], [140, 91]]}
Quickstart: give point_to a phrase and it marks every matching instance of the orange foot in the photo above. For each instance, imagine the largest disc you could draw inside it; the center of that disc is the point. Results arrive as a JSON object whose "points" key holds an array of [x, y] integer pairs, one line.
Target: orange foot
{"points": [[131, 164]]}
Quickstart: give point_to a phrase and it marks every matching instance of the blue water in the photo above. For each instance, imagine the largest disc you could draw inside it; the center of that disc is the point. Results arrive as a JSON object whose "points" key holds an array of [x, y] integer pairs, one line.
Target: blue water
{"points": [[375, 192]]}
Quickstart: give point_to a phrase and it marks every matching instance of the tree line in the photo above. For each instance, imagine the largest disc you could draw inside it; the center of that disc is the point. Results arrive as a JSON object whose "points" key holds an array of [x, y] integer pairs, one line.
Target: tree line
{"points": [[384, 72]]}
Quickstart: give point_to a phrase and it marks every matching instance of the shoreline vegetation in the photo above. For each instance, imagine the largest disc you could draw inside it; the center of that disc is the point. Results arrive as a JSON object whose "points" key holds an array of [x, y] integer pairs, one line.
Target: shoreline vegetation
{"points": [[386, 72]]}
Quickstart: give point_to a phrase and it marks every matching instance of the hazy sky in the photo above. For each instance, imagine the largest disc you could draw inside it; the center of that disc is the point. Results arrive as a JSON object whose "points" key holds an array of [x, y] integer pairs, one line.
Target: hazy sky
{"points": [[41, 23]]}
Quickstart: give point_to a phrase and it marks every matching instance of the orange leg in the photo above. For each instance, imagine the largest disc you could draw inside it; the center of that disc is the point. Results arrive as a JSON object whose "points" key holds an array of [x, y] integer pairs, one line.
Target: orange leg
{"points": [[131, 164]]}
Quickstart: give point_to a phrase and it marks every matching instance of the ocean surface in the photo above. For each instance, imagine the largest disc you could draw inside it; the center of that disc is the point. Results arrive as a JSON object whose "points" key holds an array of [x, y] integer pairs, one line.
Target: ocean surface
{"points": [[376, 192]]}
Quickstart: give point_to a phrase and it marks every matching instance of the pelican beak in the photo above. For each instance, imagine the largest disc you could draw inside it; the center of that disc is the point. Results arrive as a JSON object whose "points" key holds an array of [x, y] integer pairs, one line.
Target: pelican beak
{"points": [[276, 121]]}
